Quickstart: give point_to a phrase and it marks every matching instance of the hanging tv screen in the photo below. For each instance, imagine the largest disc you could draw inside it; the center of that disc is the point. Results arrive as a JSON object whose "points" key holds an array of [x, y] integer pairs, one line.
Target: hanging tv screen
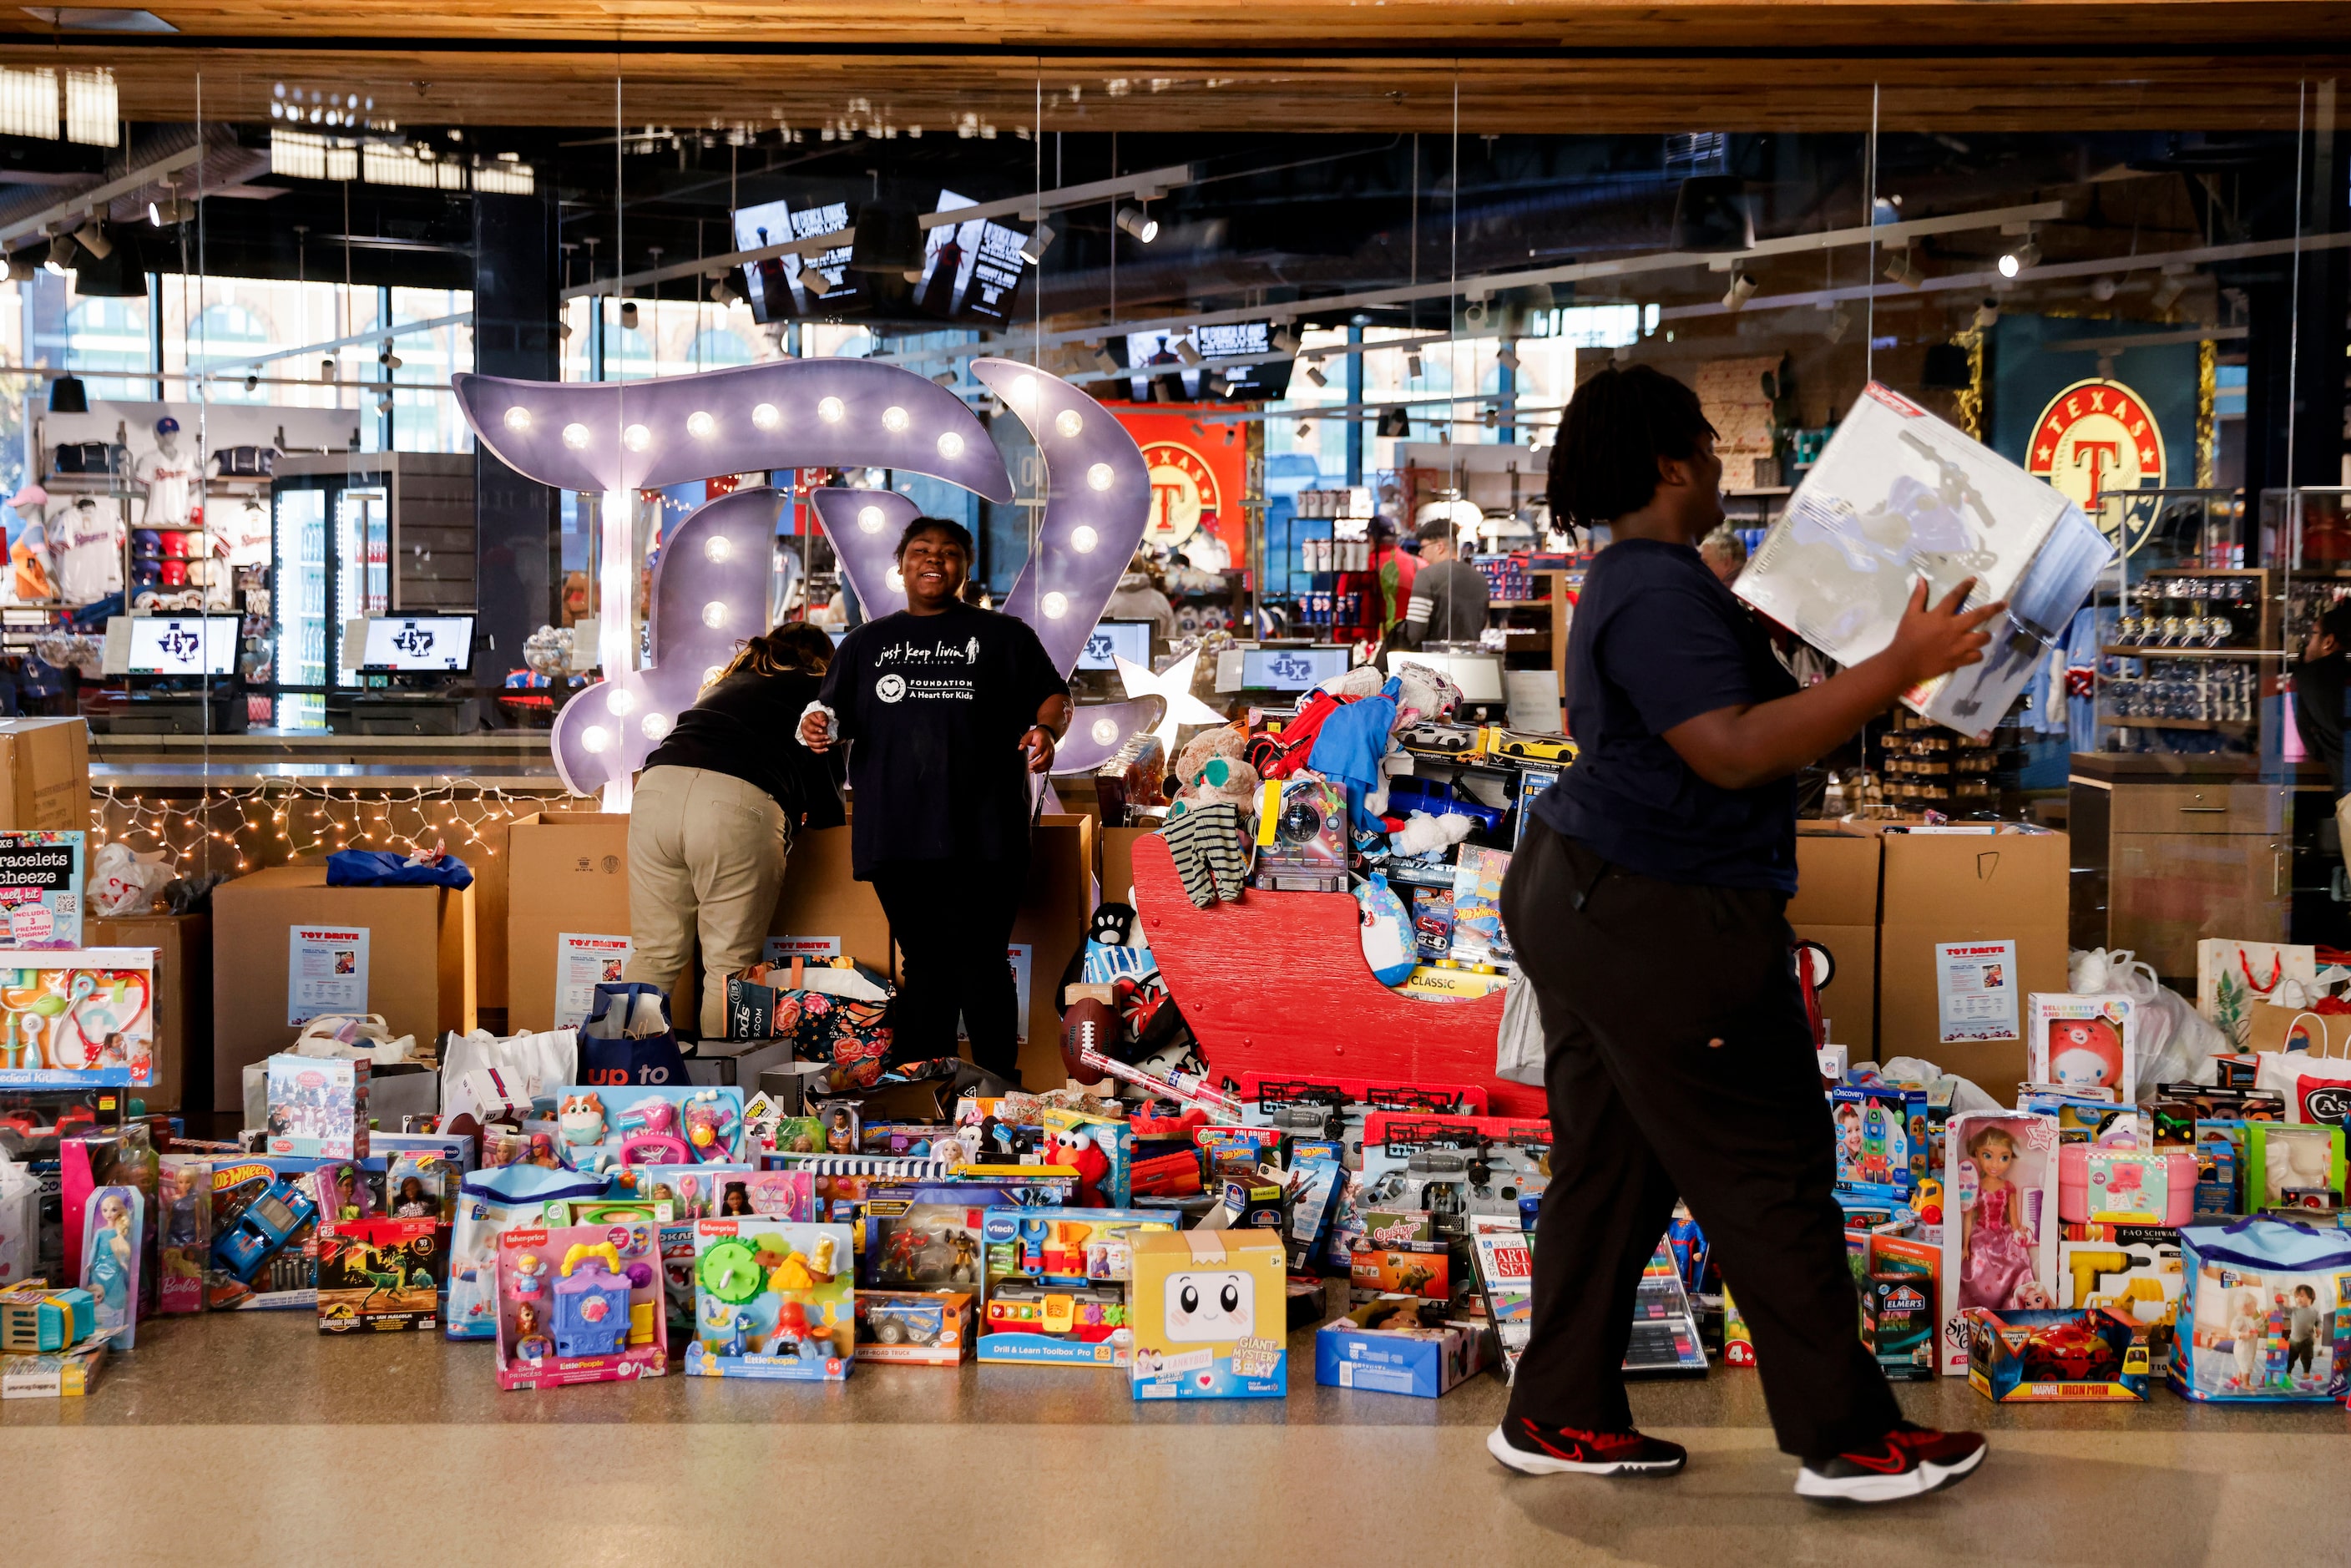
{"points": [[1259, 382], [786, 287], [972, 271]]}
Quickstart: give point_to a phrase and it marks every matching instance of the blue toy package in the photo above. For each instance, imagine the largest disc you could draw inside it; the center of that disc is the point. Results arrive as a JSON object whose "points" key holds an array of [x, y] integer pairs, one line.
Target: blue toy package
{"points": [[773, 1299], [2264, 1314], [1314, 1186], [1477, 934], [1882, 1135]]}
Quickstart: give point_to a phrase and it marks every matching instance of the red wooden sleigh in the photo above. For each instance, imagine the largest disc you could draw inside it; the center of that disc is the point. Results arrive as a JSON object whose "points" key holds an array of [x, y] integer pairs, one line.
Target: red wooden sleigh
{"points": [[1276, 983]]}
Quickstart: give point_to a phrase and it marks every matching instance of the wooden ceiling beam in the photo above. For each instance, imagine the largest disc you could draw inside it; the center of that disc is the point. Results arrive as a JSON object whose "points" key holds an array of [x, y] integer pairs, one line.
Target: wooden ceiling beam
{"points": [[1171, 93]]}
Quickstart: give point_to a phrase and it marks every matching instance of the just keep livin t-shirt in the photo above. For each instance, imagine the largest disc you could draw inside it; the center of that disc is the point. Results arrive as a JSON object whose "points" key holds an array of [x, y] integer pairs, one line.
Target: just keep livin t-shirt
{"points": [[933, 708]]}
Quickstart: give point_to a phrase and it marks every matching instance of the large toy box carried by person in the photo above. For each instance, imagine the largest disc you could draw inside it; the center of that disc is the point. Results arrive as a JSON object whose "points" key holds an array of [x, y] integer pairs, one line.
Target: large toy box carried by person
{"points": [[1210, 1314], [2264, 1313]]}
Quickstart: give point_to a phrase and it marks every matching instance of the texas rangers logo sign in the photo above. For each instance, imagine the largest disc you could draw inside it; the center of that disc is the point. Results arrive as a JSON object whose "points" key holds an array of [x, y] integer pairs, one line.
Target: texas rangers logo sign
{"points": [[2095, 438], [1184, 492]]}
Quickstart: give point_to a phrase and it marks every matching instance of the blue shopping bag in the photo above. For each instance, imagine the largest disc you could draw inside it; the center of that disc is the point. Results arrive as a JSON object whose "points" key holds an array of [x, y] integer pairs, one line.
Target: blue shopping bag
{"points": [[628, 1038]]}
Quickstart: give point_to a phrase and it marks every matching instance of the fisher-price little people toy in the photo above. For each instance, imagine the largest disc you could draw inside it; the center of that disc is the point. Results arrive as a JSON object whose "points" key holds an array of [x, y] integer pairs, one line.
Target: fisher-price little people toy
{"points": [[591, 1302]]}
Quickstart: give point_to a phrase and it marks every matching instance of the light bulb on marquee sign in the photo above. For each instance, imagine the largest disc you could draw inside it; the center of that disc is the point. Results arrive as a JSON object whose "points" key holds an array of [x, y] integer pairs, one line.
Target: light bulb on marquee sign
{"points": [[613, 439]]}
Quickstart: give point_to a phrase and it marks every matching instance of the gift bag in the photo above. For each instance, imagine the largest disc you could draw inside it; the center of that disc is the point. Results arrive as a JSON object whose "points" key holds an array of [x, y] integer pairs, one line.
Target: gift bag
{"points": [[2232, 977], [1519, 1049], [2304, 1057], [628, 1038], [2264, 1313], [536, 1063], [490, 1204]]}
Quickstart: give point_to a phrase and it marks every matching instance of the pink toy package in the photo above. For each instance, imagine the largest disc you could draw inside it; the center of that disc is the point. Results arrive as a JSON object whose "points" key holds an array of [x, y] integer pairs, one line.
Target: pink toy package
{"points": [[769, 1195], [579, 1303], [2077, 1040], [118, 1156], [2000, 1225], [2125, 1186], [183, 1228]]}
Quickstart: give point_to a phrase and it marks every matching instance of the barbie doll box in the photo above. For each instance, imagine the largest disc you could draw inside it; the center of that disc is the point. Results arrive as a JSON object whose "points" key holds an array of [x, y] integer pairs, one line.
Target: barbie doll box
{"points": [[2000, 1221], [1898, 494]]}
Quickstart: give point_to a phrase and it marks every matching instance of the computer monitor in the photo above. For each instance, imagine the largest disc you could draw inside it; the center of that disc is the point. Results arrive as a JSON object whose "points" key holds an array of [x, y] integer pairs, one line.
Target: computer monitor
{"points": [[1291, 669], [1479, 675], [417, 644], [1111, 640], [172, 644]]}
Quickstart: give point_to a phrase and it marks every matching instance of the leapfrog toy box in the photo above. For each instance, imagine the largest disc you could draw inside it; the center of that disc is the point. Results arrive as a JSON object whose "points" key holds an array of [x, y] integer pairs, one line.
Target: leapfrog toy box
{"points": [[1210, 1315], [1056, 1283], [772, 1300], [579, 1303]]}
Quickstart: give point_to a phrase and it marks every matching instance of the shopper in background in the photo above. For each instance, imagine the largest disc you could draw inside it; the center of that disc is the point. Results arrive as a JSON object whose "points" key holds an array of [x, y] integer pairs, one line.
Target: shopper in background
{"points": [[1138, 597], [2318, 698], [714, 813], [1393, 568], [948, 710], [1725, 554], [1449, 597], [1646, 906]]}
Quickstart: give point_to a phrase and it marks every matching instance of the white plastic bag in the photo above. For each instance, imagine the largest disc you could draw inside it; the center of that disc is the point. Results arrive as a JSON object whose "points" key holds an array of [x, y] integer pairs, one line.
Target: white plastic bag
{"points": [[1966, 1093], [537, 1061], [20, 1223], [1518, 1044], [123, 883], [351, 1035], [2176, 1044]]}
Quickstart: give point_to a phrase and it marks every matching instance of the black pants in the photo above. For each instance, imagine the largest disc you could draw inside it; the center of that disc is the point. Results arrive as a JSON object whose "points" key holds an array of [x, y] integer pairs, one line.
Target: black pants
{"points": [[952, 921], [1678, 1060]]}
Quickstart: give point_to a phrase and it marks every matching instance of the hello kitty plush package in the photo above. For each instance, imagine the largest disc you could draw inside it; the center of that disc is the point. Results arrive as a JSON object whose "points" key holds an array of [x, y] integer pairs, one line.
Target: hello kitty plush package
{"points": [[2073, 1040]]}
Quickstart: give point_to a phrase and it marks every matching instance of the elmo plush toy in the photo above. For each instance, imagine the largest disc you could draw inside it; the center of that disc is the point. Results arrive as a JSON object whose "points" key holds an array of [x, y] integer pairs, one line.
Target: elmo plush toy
{"points": [[1079, 1153]]}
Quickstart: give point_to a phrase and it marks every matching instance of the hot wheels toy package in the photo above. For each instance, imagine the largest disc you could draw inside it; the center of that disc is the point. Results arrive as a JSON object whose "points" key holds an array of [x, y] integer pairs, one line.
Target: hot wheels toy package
{"points": [[1898, 494]]}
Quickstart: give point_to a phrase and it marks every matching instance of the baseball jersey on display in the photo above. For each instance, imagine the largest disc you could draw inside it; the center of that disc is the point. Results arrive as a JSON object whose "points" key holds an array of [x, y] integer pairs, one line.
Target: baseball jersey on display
{"points": [[86, 541], [170, 479]]}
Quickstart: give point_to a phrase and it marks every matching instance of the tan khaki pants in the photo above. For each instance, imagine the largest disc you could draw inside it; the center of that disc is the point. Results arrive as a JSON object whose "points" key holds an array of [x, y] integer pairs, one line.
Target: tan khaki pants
{"points": [[705, 860]]}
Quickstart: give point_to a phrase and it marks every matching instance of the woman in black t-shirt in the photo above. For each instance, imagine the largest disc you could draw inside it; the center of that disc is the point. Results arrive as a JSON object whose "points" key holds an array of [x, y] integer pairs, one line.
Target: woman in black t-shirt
{"points": [[713, 817], [1645, 906], [948, 709]]}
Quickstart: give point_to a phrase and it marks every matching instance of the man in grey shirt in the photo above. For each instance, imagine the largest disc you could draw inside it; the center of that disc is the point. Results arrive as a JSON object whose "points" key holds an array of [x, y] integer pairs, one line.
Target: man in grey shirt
{"points": [[1449, 595]]}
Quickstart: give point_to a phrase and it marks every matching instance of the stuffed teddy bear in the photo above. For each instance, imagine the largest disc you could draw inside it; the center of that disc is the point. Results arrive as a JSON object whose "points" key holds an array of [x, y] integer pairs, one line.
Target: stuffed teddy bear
{"points": [[1422, 834]]}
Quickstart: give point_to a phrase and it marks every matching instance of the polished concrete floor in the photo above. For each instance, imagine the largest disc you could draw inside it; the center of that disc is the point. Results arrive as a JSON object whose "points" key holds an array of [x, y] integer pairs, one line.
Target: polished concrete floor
{"points": [[249, 1438]]}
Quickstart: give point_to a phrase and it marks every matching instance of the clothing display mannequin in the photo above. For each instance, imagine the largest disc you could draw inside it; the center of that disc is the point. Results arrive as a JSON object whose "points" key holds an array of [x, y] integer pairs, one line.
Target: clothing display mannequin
{"points": [[168, 474]]}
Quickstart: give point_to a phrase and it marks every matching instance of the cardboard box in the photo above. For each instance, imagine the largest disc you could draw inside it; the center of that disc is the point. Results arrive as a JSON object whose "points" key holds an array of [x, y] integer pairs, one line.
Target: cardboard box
{"points": [[1211, 1312], [64, 1375], [1940, 888], [182, 999], [1421, 1362], [420, 961], [1836, 905], [44, 774], [565, 874]]}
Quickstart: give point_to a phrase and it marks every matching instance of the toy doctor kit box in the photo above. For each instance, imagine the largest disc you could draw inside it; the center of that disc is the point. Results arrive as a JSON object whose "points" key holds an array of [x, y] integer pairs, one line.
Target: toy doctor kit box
{"points": [[1210, 1315], [1898, 494]]}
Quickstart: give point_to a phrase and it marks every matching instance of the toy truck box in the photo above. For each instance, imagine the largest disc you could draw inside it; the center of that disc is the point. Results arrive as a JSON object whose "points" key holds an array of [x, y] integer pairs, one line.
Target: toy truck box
{"points": [[2056, 1356], [915, 1328]]}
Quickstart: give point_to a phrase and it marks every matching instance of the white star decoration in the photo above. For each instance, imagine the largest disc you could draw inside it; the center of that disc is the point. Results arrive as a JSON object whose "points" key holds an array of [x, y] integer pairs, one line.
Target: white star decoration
{"points": [[1175, 683]]}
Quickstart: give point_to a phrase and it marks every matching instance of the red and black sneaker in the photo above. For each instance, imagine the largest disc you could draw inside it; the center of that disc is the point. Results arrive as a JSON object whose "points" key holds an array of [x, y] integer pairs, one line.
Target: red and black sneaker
{"points": [[1535, 1450], [1908, 1461]]}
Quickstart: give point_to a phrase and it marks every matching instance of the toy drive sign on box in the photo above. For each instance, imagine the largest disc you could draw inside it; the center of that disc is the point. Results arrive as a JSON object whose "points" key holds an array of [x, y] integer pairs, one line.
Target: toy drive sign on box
{"points": [[1898, 494]]}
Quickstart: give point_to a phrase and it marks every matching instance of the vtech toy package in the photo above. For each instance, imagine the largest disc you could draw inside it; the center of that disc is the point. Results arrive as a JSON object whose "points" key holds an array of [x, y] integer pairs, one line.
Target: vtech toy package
{"points": [[1056, 1285], [1210, 1316]]}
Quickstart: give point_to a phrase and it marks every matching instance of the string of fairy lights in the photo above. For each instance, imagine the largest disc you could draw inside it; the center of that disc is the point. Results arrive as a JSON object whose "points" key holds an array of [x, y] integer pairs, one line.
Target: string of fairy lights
{"points": [[277, 819]]}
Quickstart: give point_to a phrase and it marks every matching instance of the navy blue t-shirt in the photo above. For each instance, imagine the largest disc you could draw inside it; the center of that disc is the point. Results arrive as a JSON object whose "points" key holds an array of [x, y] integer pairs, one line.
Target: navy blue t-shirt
{"points": [[1659, 639]]}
